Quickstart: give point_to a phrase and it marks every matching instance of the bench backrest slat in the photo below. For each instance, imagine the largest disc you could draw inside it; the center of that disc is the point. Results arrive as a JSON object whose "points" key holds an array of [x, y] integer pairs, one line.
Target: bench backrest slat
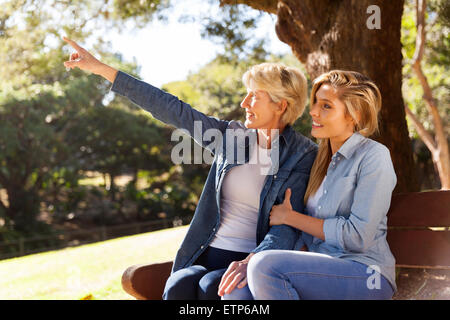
{"points": [[420, 209], [411, 240], [420, 248]]}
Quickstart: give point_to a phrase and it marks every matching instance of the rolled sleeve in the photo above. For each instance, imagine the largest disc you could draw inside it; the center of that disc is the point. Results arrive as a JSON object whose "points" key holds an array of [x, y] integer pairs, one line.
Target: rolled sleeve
{"points": [[278, 237], [330, 229]]}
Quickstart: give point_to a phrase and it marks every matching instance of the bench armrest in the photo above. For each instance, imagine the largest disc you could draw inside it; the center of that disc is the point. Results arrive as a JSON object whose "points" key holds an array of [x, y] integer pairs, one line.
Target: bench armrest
{"points": [[146, 281]]}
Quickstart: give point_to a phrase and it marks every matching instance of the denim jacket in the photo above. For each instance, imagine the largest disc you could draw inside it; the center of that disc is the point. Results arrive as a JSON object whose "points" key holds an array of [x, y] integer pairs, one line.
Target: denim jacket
{"points": [[355, 200], [295, 158]]}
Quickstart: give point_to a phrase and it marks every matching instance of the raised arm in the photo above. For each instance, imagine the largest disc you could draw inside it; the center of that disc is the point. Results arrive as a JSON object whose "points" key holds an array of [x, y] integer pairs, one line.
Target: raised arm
{"points": [[162, 105]]}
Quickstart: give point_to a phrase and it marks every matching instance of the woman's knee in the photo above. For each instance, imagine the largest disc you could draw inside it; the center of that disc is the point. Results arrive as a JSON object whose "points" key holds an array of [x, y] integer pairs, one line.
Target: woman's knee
{"points": [[183, 284], [263, 266], [263, 262], [239, 294], [209, 285]]}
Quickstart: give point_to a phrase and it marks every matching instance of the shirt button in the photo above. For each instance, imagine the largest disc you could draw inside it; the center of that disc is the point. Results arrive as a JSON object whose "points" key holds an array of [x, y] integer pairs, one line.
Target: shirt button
{"points": [[325, 191], [319, 207], [201, 247], [275, 176]]}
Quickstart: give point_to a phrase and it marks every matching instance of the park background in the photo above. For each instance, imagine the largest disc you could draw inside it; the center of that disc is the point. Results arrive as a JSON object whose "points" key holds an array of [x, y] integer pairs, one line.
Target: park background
{"points": [[79, 164]]}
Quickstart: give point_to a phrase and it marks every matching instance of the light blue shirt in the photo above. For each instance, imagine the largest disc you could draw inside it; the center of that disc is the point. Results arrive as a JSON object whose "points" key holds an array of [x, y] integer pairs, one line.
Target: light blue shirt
{"points": [[354, 203]]}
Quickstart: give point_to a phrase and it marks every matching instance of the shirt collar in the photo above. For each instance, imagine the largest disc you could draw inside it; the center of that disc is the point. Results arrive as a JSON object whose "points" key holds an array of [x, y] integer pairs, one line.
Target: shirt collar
{"points": [[350, 146]]}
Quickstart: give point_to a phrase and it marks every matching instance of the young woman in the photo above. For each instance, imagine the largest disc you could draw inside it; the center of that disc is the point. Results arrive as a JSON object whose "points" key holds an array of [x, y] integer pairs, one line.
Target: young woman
{"points": [[231, 221], [348, 195]]}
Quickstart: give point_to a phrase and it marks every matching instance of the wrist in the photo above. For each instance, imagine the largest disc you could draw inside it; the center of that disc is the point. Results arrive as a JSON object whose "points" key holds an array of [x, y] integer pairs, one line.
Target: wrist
{"points": [[289, 217], [106, 71]]}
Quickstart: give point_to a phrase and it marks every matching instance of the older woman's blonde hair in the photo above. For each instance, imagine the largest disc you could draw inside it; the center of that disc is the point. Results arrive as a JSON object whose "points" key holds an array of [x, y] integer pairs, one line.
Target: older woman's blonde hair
{"points": [[280, 82], [362, 100]]}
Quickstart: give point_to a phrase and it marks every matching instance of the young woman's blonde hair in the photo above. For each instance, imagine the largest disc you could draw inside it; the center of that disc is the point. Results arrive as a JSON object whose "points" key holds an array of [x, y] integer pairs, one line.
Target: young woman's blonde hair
{"points": [[280, 82], [362, 100]]}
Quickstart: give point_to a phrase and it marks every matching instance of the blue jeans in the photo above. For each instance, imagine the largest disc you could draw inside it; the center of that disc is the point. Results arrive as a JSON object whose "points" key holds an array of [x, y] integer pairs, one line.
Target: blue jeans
{"points": [[201, 280], [295, 275]]}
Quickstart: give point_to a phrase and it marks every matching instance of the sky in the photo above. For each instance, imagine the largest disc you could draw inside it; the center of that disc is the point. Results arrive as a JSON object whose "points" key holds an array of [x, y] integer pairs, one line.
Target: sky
{"points": [[169, 51]]}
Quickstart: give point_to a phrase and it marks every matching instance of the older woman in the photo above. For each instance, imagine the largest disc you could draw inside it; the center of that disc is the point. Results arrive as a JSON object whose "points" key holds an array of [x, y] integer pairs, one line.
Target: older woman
{"points": [[349, 192], [231, 221]]}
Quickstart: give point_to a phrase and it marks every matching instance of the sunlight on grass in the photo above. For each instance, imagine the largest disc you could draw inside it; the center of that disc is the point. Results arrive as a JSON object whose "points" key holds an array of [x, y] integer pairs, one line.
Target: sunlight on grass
{"points": [[96, 179], [90, 271]]}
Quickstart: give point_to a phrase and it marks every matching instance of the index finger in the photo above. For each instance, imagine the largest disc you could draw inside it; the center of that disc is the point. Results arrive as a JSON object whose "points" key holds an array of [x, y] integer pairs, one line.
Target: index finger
{"points": [[73, 44], [225, 283], [238, 278]]}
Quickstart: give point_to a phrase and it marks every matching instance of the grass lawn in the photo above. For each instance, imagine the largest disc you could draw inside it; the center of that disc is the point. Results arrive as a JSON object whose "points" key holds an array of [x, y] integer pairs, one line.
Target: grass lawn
{"points": [[90, 271]]}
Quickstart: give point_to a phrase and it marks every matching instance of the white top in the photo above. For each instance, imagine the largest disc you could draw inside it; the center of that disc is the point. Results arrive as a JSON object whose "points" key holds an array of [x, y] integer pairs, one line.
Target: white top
{"points": [[313, 201], [239, 203]]}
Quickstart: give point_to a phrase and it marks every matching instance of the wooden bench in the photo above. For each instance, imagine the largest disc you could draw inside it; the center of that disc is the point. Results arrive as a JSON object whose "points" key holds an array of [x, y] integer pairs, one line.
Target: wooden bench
{"points": [[418, 235]]}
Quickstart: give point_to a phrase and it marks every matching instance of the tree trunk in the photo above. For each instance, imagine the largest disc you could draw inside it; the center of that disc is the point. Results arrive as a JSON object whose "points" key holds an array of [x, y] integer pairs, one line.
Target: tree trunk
{"points": [[23, 208], [335, 34], [112, 186]]}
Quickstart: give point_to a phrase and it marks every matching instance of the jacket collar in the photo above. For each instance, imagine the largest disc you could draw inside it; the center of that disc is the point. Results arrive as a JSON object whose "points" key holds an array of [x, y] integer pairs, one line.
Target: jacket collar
{"points": [[285, 136]]}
